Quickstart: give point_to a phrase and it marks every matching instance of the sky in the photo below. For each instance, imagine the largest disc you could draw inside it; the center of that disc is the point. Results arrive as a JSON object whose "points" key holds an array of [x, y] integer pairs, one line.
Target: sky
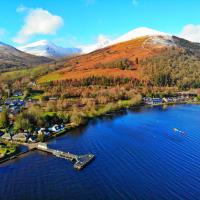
{"points": [[80, 22]]}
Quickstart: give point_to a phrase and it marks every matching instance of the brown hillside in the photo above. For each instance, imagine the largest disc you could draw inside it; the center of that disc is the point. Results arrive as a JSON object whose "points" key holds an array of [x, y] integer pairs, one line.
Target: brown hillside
{"points": [[101, 62]]}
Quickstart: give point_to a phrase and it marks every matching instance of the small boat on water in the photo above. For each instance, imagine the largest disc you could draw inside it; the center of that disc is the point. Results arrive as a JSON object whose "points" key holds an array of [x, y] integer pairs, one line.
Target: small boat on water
{"points": [[179, 131]]}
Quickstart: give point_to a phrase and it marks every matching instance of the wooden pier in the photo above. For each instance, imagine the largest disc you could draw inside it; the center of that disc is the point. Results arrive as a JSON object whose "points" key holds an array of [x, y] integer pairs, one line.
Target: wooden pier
{"points": [[80, 160]]}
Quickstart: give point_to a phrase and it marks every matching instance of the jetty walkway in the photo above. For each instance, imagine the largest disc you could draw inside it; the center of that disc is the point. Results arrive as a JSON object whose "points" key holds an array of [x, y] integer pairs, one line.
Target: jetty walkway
{"points": [[80, 161]]}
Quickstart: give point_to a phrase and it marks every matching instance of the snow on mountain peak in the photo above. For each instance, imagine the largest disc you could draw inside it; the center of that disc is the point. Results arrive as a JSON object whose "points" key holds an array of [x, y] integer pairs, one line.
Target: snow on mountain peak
{"points": [[138, 32], [48, 49], [135, 33]]}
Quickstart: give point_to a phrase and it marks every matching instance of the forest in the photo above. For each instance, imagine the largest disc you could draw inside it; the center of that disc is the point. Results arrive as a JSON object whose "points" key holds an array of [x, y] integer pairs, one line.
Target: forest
{"points": [[173, 68]]}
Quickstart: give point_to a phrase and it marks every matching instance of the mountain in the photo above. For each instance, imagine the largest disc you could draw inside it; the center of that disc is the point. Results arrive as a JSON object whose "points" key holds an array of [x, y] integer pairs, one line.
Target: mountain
{"points": [[123, 59], [48, 49], [136, 33], [133, 34], [11, 58], [3, 44]]}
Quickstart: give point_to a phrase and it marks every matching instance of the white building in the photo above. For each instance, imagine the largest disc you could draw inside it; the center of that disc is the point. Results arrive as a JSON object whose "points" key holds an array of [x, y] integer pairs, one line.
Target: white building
{"points": [[57, 128]]}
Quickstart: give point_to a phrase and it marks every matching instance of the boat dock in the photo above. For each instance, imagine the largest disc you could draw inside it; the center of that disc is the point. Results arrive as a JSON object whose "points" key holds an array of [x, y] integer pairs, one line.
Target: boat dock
{"points": [[80, 160]]}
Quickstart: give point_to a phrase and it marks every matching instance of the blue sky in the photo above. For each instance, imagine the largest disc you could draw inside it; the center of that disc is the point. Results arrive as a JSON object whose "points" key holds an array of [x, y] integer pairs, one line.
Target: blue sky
{"points": [[75, 22]]}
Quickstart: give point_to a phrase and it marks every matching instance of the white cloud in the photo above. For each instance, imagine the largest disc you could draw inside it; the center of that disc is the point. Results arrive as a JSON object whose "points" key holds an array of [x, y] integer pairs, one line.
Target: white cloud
{"points": [[38, 21], [191, 32], [101, 42], [135, 2], [21, 8], [102, 39]]}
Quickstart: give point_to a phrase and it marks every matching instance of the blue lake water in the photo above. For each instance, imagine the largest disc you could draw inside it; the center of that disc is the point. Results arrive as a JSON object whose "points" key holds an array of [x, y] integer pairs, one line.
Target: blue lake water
{"points": [[138, 156]]}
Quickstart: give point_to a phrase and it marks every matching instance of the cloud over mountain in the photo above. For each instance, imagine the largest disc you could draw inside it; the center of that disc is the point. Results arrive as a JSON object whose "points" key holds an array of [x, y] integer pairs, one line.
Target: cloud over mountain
{"points": [[38, 21], [191, 32]]}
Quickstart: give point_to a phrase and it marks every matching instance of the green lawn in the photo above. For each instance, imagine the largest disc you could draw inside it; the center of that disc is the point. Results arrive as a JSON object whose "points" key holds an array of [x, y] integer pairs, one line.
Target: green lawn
{"points": [[49, 77], [36, 96], [8, 149], [49, 113], [3, 150], [18, 97]]}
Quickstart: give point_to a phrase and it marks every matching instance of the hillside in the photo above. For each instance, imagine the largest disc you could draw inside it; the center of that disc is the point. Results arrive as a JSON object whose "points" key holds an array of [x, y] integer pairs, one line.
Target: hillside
{"points": [[103, 61], [103, 41], [11, 58], [157, 60]]}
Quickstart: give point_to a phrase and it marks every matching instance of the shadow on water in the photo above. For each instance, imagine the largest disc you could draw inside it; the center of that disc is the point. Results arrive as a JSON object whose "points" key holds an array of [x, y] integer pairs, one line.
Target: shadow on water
{"points": [[147, 108], [76, 132], [113, 115]]}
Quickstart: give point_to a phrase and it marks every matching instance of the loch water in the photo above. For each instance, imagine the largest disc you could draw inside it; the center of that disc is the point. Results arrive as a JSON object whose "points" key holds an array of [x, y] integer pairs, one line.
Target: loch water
{"points": [[138, 156]]}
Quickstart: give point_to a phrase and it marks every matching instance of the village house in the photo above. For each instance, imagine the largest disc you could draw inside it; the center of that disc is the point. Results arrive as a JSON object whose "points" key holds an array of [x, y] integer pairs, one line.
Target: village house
{"points": [[168, 99], [20, 137], [53, 98], [17, 93], [153, 101], [188, 94], [14, 105], [57, 128], [32, 139], [14, 110], [32, 84], [7, 136], [14, 102], [44, 131], [8, 101]]}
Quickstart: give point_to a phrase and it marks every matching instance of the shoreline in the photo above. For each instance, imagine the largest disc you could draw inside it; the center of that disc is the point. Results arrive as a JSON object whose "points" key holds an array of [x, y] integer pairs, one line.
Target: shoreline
{"points": [[69, 128], [141, 105]]}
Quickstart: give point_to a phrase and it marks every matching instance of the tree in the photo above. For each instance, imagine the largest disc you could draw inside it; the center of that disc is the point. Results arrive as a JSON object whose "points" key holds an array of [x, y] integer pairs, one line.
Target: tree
{"points": [[136, 61], [163, 79], [77, 119], [25, 121], [21, 123], [41, 137], [4, 119]]}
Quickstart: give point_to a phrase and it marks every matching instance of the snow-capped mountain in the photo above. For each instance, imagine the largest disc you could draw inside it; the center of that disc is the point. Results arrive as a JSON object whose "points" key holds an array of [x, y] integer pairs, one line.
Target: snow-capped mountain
{"points": [[48, 49], [11, 57], [138, 32]]}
